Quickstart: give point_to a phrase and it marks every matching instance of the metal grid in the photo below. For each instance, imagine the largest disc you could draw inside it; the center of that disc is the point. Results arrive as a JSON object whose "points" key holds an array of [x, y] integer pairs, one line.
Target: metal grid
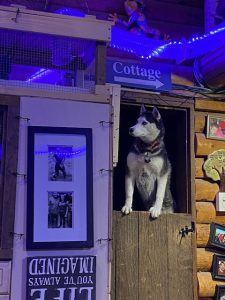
{"points": [[41, 61]]}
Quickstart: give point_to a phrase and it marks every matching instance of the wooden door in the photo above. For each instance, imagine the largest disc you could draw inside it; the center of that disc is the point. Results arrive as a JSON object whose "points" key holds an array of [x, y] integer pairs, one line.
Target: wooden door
{"points": [[151, 259]]}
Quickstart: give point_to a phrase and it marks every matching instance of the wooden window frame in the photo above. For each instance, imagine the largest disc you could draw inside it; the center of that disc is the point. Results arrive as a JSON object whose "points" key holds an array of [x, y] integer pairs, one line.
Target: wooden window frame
{"points": [[167, 101], [10, 107]]}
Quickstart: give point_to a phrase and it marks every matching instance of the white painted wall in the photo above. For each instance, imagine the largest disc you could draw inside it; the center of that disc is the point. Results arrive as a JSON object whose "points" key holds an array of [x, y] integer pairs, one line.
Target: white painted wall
{"points": [[60, 113]]}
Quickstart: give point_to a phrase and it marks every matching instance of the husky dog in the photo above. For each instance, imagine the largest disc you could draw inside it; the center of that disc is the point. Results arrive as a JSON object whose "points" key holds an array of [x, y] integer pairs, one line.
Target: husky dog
{"points": [[148, 166]]}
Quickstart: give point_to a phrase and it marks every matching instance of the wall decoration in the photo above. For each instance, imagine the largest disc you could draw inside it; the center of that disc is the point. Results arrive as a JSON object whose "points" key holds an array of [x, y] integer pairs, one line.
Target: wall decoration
{"points": [[59, 188], [220, 292], [216, 127], [217, 235], [61, 277], [214, 168], [218, 267]]}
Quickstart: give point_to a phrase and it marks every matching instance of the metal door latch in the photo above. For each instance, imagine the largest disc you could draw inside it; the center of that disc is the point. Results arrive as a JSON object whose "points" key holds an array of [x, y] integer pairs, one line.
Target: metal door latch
{"points": [[185, 230]]}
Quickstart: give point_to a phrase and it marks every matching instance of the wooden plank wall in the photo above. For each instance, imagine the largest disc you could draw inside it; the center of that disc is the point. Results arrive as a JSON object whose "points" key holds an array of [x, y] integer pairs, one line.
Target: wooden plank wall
{"points": [[205, 192], [150, 260]]}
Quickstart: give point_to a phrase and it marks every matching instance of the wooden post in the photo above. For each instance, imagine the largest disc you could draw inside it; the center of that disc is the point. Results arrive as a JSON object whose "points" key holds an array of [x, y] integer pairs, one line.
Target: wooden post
{"points": [[100, 63]]}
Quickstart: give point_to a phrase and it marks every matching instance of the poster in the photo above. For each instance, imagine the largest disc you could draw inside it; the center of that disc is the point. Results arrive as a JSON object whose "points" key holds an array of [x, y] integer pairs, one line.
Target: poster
{"points": [[61, 278]]}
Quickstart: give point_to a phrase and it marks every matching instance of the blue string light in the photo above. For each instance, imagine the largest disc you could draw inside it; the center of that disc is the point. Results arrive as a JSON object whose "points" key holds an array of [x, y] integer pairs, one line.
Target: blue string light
{"points": [[148, 49], [63, 154]]}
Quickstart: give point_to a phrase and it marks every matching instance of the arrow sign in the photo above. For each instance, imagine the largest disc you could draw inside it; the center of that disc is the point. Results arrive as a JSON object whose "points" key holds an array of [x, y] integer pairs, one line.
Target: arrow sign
{"points": [[139, 75]]}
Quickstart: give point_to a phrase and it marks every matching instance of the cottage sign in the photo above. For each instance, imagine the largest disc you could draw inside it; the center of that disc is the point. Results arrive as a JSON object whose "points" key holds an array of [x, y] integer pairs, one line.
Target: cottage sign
{"points": [[145, 76], [60, 278]]}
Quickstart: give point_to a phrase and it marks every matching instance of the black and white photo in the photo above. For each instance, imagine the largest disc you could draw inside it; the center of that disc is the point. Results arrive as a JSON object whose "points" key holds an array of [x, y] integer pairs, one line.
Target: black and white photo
{"points": [[60, 163], [60, 209]]}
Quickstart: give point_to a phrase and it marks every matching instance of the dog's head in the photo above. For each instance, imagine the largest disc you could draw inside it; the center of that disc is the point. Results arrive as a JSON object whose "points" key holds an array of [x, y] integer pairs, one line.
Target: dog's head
{"points": [[149, 125]]}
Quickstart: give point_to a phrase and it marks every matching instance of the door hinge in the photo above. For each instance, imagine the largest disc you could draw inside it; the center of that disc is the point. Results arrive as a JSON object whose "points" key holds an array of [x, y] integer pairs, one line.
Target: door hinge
{"points": [[186, 230]]}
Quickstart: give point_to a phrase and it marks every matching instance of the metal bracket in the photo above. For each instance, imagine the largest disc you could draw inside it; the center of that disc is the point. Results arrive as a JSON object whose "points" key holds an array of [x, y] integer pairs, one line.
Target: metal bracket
{"points": [[17, 15], [102, 123], [103, 240], [23, 118]]}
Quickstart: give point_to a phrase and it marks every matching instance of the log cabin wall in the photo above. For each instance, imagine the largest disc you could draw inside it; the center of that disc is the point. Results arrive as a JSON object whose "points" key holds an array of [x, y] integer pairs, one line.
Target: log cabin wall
{"points": [[205, 193]]}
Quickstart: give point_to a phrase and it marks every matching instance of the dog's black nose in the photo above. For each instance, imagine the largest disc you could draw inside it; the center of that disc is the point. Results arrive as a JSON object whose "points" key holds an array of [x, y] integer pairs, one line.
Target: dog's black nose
{"points": [[131, 130]]}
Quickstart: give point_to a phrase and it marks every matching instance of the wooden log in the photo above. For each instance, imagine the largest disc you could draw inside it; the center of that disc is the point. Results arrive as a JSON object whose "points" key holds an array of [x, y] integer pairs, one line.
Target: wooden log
{"points": [[220, 218], [205, 212], [204, 146], [199, 172], [202, 234], [207, 105], [204, 259], [205, 190], [206, 285], [200, 122]]}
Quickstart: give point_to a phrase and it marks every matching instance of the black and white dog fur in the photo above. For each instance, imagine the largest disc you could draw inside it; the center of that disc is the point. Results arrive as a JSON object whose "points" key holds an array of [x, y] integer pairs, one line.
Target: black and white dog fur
{"points": [[148, 166]]}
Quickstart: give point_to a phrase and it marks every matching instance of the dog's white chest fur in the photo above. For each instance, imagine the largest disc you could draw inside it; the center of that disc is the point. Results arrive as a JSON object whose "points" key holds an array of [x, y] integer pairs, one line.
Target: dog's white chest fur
{"points": [[136, 164]]}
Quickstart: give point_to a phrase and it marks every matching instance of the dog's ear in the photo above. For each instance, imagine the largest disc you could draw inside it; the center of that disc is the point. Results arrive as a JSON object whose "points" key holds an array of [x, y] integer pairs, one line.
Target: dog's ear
{"points": [[143, 109], [156, 114]]}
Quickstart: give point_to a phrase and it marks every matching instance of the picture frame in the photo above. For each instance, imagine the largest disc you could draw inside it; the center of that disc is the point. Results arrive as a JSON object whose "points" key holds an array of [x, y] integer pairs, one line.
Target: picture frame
{"points": [[59, 188], [218, 272], [220, 292], [217, 236], [216, 127]]}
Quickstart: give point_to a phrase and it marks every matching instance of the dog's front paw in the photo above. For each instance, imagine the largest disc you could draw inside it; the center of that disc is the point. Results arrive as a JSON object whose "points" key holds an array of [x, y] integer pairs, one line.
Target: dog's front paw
{"points": [[126, 209], [155, 211]]}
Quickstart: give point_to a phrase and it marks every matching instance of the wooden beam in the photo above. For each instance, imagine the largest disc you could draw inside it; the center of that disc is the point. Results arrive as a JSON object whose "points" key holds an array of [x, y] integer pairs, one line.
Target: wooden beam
{"points": [[100, 63], [55, 24]]}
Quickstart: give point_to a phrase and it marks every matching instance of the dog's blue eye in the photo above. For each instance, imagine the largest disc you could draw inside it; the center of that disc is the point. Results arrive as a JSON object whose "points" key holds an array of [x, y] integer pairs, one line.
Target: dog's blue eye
{"points": [[144, 123]]}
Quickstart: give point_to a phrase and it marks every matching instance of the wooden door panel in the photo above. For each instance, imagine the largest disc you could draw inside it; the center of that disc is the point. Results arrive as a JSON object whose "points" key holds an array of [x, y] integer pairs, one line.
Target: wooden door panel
{"points": [[180, 258], [152, 261], [126, 256]]}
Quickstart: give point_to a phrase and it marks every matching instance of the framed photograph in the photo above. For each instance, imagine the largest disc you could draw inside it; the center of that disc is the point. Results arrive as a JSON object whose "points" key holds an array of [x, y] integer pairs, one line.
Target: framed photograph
{"points": [[216, 127], [218, 267], [217, 235], [59, 188], [220, 292]]}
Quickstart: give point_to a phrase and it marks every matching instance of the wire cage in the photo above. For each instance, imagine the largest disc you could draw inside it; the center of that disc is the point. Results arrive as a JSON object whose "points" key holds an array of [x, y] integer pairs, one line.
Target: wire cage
{"points": [[49, 62]]}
